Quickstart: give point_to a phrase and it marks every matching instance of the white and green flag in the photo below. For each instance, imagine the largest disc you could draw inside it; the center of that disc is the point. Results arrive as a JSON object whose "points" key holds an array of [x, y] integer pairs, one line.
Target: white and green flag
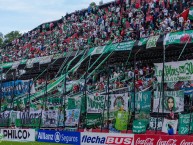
{"points": [[152, 41], [181, 37], [142, 41], [124, 46], [190, 15]]}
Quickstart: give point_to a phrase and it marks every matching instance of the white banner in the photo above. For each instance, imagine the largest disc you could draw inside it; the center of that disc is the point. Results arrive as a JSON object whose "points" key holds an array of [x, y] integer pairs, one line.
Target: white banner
{"points": [[45, 59], [4, 117], [89, 138], [30, 62], [95, 104], [155, 122], [175, 71], [173, 101], [98, 50], [118, 101], [173, 123], [50, 118], [18, 134], [72, 117], [15, 64]]}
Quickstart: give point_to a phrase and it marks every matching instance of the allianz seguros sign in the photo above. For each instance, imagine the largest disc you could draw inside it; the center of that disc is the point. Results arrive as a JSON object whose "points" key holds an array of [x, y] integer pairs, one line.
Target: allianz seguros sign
{"points": [[72, 138], [88, 138], [18, 134]]}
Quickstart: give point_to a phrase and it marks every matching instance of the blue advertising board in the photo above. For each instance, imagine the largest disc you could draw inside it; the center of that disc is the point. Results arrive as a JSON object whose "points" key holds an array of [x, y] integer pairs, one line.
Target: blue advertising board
{"points": [[16, 88], [72, 138]]}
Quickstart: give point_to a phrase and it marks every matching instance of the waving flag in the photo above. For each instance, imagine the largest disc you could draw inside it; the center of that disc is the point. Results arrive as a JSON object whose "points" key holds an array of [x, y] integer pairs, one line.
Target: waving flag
{"points": [[190, 15]]}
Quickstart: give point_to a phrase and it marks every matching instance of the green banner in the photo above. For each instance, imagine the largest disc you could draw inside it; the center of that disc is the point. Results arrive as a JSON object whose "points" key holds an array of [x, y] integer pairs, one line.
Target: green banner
{"points": [[152, 41], [142, 101], [139, 126], [74, 103], [184, 124], [181, 37], [93, 120], [142, 41], [124, 46]]}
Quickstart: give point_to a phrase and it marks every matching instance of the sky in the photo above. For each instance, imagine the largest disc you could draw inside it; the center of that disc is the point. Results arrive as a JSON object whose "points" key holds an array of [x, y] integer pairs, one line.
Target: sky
{"points": [[25, 15]]}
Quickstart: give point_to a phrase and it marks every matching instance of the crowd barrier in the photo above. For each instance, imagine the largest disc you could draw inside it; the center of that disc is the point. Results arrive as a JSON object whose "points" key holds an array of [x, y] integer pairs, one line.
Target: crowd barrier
{"points": [[94, 138]]}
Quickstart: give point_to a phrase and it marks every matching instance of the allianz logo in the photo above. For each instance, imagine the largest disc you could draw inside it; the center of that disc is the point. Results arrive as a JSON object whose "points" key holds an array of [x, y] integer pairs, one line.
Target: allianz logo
{"points": [[45, 136]]}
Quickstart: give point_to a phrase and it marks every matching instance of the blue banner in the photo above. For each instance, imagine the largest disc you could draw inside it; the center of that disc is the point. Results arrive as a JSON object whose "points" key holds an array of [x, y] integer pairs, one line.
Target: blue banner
{"points": [[72, 138], [188, 91], [16, 88]]}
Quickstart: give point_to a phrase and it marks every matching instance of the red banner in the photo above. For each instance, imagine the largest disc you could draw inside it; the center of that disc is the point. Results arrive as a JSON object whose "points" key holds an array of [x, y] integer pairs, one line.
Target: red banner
{"points": [[163, 140]]}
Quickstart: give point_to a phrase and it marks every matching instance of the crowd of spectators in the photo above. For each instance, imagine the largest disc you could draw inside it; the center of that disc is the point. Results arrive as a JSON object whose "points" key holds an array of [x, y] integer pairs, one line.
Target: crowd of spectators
{"points": [[95, 26]]}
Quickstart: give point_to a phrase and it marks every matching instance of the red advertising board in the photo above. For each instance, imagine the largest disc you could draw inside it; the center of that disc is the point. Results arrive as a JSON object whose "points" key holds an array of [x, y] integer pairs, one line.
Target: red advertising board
{"points": [[163, 139]]}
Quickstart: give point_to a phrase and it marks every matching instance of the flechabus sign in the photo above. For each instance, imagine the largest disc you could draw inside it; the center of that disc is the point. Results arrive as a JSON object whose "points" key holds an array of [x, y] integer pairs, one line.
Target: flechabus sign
{"points": [[163, 140], [88, 138], [72, 138]]}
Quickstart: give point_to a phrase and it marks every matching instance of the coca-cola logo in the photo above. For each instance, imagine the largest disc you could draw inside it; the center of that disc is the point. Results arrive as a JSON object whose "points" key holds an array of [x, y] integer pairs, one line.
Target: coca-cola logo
{"points": [[167, 142], [183, 142], [147, 141]]}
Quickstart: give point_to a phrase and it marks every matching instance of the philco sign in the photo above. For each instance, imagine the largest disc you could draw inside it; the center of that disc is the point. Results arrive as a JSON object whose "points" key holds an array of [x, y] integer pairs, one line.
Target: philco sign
{"points": [[18, 134]]}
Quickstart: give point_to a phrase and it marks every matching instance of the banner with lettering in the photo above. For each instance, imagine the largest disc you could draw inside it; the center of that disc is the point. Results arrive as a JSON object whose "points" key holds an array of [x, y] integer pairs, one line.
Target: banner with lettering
{"points": [[72, 117], [4, 118], [139, 126], [17, 87], [118, 102], [173, 101], [173, 123], [125, 46], [152, 41], [94, 120], [175, 71], [180, 37], [142, 101], [155, 122], [184, 124], [28, 118], [95, 104], [50, 118]]}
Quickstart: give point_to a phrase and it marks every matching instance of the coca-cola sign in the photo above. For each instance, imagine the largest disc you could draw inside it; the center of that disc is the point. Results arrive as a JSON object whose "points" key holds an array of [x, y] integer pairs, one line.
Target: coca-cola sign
{"points": [[184, 142], [147, 141], [167, 142], [159, 139]]}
